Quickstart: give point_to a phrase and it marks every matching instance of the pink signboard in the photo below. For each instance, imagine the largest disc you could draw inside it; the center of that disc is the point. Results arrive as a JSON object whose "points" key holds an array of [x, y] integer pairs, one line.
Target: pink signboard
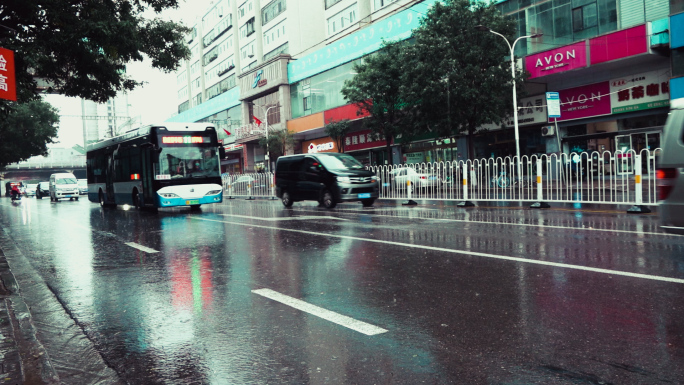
{"points": [[585, 101], [618, 45], [557, 60]]}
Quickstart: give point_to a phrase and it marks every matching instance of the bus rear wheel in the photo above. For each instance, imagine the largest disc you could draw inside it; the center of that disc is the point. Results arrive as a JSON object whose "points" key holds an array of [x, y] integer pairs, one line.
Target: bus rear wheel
{"points": [[101, 198]]}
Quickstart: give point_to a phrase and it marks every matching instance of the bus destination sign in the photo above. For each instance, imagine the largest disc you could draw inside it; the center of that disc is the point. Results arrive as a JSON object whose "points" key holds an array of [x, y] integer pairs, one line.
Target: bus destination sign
{"points": [[184, 139]]}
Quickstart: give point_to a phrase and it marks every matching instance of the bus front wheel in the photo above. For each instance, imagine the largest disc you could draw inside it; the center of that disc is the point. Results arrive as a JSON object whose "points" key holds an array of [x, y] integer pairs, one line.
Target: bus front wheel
{"points": [[195, 207], [136, 200]]}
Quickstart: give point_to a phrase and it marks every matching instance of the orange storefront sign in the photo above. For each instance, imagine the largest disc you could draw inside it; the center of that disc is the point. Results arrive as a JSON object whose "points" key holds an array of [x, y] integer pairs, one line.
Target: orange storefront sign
{"points": [[306, 123]]}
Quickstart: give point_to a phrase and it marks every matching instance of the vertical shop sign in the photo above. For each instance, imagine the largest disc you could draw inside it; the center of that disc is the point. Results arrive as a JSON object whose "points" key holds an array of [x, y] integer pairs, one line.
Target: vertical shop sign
{"points": [[8, 88], [640, 92]]}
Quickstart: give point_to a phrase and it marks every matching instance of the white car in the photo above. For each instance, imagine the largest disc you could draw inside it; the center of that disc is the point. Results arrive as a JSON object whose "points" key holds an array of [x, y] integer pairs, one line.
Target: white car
{"points": [[670, 172], [399, 177], [30, 190]]}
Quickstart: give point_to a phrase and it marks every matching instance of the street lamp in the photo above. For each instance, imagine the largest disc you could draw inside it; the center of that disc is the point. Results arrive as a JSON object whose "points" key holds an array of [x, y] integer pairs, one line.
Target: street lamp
{"points": [[267, 158], [515, 99]]}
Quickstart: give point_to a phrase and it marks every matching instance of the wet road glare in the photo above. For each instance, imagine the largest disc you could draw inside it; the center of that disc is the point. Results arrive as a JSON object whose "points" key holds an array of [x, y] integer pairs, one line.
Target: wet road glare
{"points": [[248, 292]]}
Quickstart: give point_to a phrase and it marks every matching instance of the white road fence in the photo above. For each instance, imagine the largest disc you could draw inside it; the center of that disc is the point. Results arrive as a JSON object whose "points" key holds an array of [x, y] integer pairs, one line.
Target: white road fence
{"points": [[587, 177]]}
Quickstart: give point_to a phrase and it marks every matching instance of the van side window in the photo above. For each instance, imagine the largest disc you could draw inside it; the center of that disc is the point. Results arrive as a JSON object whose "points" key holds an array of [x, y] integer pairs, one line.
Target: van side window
{"points": [[310, 162]]}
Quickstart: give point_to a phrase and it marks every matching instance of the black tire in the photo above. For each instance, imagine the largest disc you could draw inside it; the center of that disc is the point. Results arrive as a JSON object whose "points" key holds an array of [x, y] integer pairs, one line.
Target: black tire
{"points": [[76, 198], [195, 207], [101, 198], [136, 200], [71, 199], [328, 200], [38, 196], [286, 199], [368, 202]]}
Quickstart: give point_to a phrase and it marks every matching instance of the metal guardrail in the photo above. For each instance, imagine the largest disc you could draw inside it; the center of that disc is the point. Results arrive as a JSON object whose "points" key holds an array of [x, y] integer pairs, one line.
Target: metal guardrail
{"points": [[596, 177]]}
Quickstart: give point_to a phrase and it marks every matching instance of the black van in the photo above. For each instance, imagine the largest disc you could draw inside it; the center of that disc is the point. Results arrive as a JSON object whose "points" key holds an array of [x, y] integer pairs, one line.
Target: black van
{"points": [[328, 178]]}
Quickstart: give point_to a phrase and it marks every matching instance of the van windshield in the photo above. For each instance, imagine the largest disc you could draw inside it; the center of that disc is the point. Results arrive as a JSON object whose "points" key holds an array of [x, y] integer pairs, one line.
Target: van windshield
{"points": [[340, 162], [66, 181]]}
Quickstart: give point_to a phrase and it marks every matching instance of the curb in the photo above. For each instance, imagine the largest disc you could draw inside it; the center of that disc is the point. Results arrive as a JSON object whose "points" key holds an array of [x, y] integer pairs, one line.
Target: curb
{"points": [[25, 360]]}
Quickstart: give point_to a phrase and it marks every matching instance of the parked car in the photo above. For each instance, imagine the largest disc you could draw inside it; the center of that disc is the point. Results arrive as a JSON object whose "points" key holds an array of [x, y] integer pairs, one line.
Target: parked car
{"points": [[43, 190], [328, 178], [400, 176], [259, 185], [670, 172], [30, 189], [83, 186]]}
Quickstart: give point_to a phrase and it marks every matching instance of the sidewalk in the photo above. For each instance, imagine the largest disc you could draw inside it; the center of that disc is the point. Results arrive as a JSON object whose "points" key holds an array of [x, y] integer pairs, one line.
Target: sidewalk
{"points": [[22, 358]]}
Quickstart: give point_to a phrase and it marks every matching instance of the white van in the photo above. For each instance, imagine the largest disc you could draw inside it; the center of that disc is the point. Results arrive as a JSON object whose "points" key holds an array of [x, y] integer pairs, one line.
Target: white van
{"points": [[63, 185], [670, 171]]}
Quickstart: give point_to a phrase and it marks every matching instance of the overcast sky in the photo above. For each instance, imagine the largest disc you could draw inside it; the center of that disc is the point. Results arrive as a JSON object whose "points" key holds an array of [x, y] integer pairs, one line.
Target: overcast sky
{"points": [[153, 102]]}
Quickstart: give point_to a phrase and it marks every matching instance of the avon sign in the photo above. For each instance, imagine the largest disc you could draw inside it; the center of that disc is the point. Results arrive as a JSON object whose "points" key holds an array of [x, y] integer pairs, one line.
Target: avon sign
{"points": [[557, 60], [585, 101]]}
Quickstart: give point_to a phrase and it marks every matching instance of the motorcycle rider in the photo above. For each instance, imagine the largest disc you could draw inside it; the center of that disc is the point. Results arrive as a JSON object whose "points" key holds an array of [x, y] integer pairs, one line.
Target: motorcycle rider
{"points": [[16, 193]]}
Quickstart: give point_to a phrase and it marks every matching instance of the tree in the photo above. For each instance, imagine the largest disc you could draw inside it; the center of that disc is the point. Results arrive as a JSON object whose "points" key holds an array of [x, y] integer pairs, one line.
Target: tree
{"points": [[377, 90], [26, 131], [461, 76], [278, 142], [337, 131], [81, 47]]}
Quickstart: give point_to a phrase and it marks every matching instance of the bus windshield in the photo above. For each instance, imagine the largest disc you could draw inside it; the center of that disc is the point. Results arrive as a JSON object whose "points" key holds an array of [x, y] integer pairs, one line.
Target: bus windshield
{"points": [[187, 162]]}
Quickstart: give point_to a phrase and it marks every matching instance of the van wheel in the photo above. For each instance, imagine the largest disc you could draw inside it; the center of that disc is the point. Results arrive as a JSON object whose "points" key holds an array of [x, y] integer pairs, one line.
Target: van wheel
{"points": [[368, 202], [328, 200], [286, 199]]}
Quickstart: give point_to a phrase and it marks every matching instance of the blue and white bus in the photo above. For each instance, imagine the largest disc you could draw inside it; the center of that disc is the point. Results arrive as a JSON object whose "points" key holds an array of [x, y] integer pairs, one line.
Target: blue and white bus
{"points": [[166, 165]]}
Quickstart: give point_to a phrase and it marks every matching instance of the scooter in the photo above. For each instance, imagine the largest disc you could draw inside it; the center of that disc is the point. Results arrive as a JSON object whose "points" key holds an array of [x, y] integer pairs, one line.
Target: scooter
{"points": [[16, 196]]}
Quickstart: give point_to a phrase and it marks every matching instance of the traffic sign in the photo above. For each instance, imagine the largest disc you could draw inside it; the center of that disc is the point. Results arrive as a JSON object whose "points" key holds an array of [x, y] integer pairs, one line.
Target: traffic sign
{"points": [[553, 104]]}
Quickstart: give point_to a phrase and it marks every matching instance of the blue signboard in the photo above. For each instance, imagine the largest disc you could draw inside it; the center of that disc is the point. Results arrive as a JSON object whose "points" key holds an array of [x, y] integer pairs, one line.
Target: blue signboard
{"points": [[224, 101], [362, 42]]}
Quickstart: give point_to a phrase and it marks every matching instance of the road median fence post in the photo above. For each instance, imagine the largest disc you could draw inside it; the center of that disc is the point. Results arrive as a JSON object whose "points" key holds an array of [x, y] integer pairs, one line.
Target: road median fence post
{"points": [[409, 190], [465, 202], [639, 207], [539, 204]]}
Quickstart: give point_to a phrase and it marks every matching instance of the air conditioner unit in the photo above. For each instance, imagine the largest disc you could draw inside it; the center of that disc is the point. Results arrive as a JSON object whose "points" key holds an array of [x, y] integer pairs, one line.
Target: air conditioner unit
{"points": [[548, 131]]}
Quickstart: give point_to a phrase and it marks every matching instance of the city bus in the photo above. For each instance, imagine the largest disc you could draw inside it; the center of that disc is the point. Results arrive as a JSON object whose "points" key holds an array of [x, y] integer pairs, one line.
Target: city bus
{"points": [[156, 166]]}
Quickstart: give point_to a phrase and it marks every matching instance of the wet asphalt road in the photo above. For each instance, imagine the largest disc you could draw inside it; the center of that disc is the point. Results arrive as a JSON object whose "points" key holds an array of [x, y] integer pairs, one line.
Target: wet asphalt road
{"points": [[391, 295]]}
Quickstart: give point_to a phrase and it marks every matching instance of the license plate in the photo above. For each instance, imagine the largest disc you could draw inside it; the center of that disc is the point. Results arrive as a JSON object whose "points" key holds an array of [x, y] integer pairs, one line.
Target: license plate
{"points": [[364, 195], [192, 202]]}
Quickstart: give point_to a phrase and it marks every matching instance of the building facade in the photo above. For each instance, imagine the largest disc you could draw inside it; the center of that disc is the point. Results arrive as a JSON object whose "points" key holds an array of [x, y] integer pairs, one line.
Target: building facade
{"points": [[282, 64]]}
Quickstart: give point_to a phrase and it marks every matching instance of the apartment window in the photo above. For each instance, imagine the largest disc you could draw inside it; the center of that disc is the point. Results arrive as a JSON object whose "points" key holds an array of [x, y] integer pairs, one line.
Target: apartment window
{"points": [[330, 3], [247, 51], [196, 83], [272, 10], [250, 26], [282, 49], [584, 17], [211, 55], [342, 20], [377, 4], [194, 67]]}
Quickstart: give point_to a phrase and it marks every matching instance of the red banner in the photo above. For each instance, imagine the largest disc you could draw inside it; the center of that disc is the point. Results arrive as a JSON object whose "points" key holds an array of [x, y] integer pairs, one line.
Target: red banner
{"points": [[8, 87]]}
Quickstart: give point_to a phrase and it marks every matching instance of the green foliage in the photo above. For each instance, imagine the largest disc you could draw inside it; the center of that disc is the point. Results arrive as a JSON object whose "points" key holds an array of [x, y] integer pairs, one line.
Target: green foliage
{"points": [[450, 79], [377, 90], [337, 131], [81, 47], [278, 142], [26, 131], [465, 78]]}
